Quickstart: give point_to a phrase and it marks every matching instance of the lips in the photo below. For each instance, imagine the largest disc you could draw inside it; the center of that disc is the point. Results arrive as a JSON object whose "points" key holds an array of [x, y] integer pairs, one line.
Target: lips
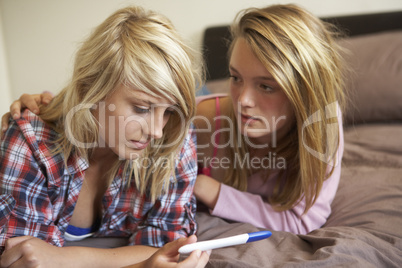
{"points": [[139, 145], [247, 118]]}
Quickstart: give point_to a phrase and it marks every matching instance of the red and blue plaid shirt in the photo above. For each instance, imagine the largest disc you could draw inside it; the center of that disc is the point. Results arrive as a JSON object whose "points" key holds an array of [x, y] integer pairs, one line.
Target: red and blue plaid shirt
{"points": [[39, 192]]}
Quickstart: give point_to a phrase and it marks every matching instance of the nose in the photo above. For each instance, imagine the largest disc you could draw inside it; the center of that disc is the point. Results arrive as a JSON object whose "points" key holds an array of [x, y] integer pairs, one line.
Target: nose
{"points": [[156, 124], [246, 97]]}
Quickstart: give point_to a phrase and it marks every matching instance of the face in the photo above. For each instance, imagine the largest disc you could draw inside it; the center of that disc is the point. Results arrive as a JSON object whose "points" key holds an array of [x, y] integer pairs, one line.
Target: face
{"points": [[130, 120], [263, 111]]}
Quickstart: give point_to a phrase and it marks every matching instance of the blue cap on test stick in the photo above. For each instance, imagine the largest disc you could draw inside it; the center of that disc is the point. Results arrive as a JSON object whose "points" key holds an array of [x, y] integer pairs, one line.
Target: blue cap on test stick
{"points": [[258, 236]]}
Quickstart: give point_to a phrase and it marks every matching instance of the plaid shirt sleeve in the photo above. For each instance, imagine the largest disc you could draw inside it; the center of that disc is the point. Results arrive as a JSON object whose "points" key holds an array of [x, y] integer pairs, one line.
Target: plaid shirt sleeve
{"points": [[172, 216], [25, 208]]}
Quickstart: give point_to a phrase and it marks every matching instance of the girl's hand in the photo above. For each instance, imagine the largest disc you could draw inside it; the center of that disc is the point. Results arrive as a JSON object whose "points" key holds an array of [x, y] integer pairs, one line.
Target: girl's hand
{"points": [[207, 190], [28, 251], [168, 255], [31, 102]]}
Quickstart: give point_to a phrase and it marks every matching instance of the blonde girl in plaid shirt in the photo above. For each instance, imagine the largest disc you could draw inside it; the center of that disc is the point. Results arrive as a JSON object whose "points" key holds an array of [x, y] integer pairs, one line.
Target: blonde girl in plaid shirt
{"points": [[81, 161]]}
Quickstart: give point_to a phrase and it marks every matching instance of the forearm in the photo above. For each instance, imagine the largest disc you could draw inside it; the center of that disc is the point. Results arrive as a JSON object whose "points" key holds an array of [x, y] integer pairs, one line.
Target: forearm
{"points": [[207, 190], [95, 257], [252, 208]]}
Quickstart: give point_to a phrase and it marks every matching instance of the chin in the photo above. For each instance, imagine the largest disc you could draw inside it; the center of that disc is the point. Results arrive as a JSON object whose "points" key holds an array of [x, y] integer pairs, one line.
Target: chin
{"points": [[255, 133], [258, 139], [129, 154]]}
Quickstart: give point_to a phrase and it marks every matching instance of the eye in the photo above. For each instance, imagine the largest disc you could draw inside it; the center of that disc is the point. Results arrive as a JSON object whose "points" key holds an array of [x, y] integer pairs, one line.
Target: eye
{"points": [[141, 110], [267, 88], [169, 112], [234, 78]]}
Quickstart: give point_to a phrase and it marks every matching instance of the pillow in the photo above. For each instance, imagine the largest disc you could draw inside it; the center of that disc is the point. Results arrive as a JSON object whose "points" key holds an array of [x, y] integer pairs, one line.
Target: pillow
{"points": [[374, 86]]}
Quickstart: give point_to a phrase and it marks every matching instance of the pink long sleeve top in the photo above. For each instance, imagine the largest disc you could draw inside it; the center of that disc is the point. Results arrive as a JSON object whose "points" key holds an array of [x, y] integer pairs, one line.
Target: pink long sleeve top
{"points": [[252, 206]]}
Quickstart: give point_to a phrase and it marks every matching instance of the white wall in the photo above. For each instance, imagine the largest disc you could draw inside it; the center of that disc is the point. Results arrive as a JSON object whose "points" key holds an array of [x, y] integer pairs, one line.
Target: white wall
{"points": [[5, 96], [41, 36]]}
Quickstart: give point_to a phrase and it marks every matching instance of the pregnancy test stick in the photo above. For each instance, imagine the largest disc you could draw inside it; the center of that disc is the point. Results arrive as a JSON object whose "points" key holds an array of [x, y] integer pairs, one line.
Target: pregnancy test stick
{"points": [[225, 242]]}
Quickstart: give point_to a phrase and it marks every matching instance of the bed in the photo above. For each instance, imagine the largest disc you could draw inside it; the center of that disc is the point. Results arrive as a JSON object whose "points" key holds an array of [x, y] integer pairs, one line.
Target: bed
{"points": [[365, 226]]}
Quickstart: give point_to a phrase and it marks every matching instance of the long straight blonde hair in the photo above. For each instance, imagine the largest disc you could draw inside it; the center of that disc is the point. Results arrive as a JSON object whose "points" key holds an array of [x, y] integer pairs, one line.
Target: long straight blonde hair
{"points": [[301, 53], [142, 50]]}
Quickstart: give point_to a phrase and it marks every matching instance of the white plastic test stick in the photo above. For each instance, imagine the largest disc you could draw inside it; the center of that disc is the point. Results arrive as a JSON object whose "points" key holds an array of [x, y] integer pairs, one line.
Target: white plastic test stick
{"points": [[225, 242]]}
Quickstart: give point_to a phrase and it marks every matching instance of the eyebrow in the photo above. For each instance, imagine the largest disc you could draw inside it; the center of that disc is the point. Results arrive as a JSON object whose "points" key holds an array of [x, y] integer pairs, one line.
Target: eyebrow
{"points": [[145, 101], [140, 100], [150, 103], [258, 77]]}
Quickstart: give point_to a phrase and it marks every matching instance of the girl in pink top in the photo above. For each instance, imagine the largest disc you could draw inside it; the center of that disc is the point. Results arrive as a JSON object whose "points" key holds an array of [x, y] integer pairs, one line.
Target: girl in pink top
{"points": [[270, 152]]}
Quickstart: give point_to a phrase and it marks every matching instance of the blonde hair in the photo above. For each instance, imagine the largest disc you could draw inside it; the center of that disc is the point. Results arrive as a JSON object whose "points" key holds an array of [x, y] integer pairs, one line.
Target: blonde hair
{"points": [[140, 49], [301, 53]]}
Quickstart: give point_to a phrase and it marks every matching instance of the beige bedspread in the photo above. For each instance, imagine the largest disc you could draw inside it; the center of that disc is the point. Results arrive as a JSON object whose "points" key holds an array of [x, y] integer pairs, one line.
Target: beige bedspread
{"points": [[364, 229]]}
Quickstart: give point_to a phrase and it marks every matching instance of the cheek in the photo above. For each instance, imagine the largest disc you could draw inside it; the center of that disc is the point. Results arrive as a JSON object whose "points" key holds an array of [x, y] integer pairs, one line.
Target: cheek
{"points": [[277, 106], [276, 110], [130, 128], [120, 129], [234, 96], [166, 119], [234, 93]]}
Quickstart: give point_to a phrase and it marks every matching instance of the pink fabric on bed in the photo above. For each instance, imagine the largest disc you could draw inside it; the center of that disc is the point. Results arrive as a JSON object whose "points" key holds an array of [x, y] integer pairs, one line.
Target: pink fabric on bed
{"points": [[252, 207]]}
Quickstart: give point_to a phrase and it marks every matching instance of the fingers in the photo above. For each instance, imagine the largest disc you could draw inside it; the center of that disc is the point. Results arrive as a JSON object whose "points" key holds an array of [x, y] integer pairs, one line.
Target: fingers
{"points": [[12, 252], [15, 109], [203, 259], [184, 241], [11, 242], [31, 102], [168, 255], [196, 259], [46, 97], [172, 248], [4, 123]]}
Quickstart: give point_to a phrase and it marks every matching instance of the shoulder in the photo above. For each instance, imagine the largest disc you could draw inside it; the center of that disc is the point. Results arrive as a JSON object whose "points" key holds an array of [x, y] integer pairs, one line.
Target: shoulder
{"points": [[28, 133], [33, 127], [26, 148], [207, 110]]}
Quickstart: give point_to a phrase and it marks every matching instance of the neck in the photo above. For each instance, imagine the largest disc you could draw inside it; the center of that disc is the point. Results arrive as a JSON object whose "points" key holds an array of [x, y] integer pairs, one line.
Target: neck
{"points": [[102, 157], [269, 143]]}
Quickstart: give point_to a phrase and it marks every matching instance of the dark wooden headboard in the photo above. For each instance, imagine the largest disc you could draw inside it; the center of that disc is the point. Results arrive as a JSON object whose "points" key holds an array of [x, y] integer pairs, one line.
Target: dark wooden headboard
{"points": [[216, 39]]}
